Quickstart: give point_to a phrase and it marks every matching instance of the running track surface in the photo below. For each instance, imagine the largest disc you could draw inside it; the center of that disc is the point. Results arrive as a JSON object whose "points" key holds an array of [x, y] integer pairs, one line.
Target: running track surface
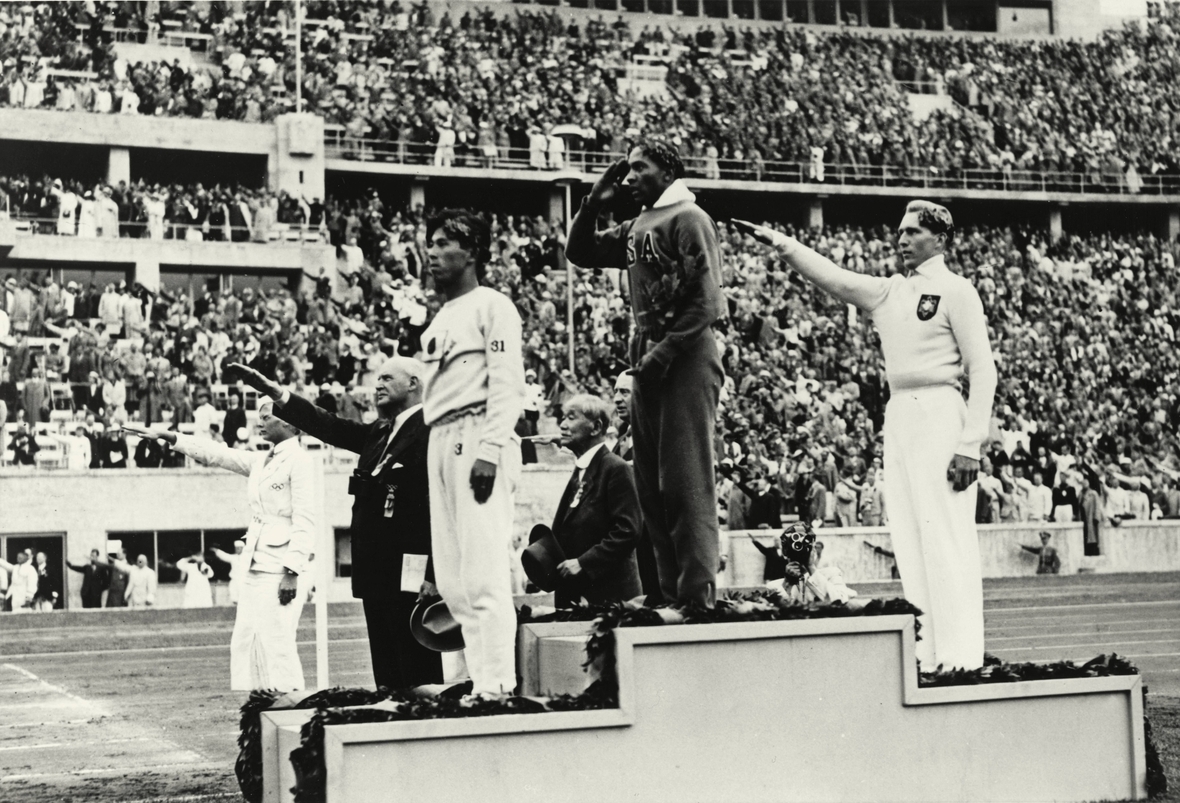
{"points": [[98, 723]]}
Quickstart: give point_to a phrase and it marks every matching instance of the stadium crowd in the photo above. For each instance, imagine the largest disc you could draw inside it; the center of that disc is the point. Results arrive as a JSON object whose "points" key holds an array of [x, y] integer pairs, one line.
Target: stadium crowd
{"points": [[486, 87], [155, 211], [1084, 331]]}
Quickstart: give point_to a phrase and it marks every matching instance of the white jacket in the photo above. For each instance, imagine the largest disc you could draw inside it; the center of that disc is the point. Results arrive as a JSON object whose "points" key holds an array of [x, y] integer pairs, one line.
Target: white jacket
{"points": [[283, 526], [24, 583]]}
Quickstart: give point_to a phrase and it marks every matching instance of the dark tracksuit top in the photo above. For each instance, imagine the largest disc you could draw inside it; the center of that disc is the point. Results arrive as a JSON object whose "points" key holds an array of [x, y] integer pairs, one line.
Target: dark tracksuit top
{"points": [[674, 402]]}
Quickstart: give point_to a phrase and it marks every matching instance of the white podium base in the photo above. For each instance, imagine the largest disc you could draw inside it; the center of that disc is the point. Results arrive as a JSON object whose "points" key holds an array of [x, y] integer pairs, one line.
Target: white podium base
{"points": [[819, 710]]}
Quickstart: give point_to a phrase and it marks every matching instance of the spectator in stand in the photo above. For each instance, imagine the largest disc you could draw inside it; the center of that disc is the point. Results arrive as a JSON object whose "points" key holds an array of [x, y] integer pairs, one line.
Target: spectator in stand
{"points": [[96, 578], [22, 586], [141, 584], [197, 574], [112, 450], [46, 597]]}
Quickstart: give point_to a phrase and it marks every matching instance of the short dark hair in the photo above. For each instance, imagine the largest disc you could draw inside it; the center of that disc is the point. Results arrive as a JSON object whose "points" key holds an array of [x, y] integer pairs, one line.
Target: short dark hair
{"points": [[935, 217], [467, 228], [664, 155]]}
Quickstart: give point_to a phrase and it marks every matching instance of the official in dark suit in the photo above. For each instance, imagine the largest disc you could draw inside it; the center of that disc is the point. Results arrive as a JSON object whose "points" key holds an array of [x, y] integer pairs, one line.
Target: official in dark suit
{"points": [[649, 575], [597, 521], [390, 512], [96, 578]]}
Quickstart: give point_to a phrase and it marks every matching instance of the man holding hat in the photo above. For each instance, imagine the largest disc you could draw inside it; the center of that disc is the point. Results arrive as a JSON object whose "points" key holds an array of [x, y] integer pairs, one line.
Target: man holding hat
{"points": [[473, 398], [597, 521], [391, 566], [933, 333]]}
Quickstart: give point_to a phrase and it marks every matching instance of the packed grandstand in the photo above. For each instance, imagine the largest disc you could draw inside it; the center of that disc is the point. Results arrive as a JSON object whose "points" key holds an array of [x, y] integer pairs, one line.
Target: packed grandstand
{"points": [[1083, 326]]}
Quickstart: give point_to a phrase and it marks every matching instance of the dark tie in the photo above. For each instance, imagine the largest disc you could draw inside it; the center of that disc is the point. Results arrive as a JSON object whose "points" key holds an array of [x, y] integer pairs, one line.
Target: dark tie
{"points": [[571, 490]]}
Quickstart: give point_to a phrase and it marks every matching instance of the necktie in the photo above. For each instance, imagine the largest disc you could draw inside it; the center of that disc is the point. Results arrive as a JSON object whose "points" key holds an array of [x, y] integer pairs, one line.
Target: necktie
{"points": [[576, 485]]}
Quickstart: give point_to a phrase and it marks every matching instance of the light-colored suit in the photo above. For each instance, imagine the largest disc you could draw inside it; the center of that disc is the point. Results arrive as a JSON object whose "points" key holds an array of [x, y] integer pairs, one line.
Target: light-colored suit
{"points": [[281, 536], [23, 587]]}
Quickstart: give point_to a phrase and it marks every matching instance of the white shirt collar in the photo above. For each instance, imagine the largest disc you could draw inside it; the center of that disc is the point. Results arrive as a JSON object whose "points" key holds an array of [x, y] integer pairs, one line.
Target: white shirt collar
{"points": [[934, 263], [583, 462], [677, 191], [402, 417], [285, 446]]}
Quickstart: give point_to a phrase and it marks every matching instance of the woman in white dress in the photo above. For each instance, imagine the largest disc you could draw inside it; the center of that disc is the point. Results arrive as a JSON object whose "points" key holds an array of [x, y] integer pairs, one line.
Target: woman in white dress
{"points": [[197, 573]]}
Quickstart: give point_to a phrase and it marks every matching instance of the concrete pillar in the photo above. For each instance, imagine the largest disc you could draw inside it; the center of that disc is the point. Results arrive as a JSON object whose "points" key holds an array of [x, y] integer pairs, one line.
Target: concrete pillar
{"points": [[118, 166], [815, 214], [147, 273], [297, 163], [557, 205], [1055, 229], [1172, 232], [418, 195]]}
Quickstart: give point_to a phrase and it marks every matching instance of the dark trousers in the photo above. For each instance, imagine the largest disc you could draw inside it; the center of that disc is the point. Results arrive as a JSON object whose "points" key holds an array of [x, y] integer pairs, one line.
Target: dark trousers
{"points": [[399, 661], [673, 420], [90, 599], [649, 573]]}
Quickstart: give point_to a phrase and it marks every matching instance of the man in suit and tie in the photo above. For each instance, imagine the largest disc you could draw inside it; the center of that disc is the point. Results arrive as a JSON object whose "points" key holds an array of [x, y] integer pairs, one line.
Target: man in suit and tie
{"points": [[96, 578], [597, 521], [391, 565]]}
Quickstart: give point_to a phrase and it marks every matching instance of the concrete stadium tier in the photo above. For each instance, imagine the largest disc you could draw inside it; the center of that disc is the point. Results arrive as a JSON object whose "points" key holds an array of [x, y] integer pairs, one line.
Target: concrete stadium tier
{"points": [[769, 711], [292, 145], [145, 258]]}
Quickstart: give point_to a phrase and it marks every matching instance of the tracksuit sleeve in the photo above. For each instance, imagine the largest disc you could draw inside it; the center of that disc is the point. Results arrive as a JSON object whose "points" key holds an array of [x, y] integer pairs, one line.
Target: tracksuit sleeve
{"points": [[589, 248], [969, 324], [506, 387]]}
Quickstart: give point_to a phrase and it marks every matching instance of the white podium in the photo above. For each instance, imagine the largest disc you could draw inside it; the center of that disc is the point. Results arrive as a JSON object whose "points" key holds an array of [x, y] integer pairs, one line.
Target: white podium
{"points": [[817, 710]]}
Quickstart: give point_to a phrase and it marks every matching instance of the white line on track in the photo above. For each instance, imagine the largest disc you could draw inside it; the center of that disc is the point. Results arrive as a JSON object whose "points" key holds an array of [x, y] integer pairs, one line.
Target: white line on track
{"points": [[208, 765], [1092, 646], [71, 745], [1103, 633], [998, 611], [47, 686], [189, 798], [224, 647], [63, 722]]}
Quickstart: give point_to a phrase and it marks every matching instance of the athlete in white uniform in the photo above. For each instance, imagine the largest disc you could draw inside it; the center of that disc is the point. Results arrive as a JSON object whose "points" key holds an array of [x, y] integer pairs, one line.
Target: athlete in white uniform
{"points": [[474, 395], [933, 330]]}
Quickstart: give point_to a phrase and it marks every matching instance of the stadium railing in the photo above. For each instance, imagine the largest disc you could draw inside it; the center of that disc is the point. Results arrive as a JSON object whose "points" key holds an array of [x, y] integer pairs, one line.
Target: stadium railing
{"points": [[278, 233], [339, 145]]}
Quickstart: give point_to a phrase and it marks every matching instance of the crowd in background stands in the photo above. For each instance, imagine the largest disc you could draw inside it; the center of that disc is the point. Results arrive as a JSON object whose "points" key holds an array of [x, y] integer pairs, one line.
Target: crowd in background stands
{"points": [[1084, 332], [156, 211], [481, 86]]}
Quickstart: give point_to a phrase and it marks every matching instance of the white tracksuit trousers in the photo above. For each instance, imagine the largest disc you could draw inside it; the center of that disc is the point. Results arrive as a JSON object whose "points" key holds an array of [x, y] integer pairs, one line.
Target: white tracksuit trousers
{"points": [[932, 526], [471, 550]]}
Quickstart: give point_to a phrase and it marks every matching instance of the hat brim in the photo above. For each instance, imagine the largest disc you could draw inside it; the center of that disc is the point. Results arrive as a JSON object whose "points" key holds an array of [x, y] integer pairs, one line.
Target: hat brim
{"points": [[434, 627], [541, 557]]}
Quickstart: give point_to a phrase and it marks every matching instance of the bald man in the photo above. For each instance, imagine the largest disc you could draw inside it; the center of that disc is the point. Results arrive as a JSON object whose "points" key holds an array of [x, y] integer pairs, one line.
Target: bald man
{"points": [[391, 554]]}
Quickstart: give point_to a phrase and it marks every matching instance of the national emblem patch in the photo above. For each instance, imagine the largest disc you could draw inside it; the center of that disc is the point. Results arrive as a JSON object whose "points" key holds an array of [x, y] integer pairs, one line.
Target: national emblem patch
{"points": [[927, 306]]}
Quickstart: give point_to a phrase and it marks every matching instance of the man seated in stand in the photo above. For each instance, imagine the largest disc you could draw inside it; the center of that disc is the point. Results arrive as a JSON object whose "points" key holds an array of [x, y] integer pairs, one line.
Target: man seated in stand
{"points": [[806, 582], [597, 521]]}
